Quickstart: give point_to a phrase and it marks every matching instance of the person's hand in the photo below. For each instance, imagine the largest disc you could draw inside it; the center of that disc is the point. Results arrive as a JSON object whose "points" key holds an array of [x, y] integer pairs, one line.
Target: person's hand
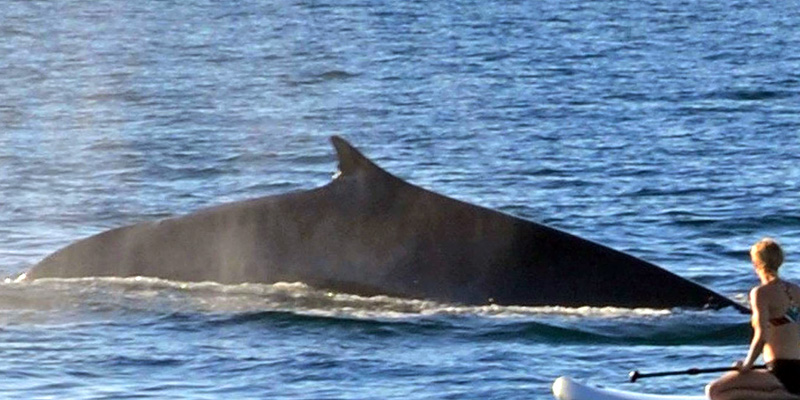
{"points": [[741, 366]]}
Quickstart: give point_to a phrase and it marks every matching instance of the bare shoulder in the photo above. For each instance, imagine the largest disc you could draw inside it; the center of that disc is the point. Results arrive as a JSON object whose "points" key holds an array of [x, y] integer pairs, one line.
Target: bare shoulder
{"points": [[763, 293], [759, 296]]}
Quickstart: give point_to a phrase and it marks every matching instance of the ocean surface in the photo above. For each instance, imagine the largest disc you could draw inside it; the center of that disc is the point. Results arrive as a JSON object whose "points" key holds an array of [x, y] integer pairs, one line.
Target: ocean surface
{"points": [[664, 128]]}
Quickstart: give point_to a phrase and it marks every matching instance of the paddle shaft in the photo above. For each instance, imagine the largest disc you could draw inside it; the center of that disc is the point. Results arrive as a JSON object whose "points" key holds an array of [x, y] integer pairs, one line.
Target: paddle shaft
{"points": [[634, 375]]}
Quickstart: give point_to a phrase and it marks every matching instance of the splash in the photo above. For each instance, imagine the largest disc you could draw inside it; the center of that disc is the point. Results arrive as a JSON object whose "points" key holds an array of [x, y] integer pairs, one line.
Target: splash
{"points": [[296, 297]]}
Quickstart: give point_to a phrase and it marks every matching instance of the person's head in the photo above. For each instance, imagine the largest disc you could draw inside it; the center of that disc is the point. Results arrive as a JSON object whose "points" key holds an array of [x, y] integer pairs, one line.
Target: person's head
{"points": [[767, 255]]}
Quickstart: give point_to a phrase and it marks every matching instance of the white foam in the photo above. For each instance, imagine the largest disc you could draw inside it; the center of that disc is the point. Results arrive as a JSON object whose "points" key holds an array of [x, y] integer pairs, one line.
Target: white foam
{"points": [[301, 298]]}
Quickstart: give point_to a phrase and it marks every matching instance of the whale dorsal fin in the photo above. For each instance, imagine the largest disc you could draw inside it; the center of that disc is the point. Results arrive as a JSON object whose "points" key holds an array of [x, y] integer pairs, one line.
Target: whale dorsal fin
{"points": [[350, 159]]}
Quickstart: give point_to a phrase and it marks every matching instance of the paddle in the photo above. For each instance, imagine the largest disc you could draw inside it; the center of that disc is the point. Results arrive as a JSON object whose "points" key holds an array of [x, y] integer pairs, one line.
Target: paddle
{"points": [[634, 375]]}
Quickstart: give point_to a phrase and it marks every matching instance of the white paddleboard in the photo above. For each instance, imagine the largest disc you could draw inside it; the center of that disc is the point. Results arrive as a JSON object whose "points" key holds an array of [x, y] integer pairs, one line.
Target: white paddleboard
{"points": [[565, 388]]}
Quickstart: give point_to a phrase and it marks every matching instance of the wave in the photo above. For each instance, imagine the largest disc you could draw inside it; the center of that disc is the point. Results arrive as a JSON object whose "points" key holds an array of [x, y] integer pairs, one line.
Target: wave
{"points": [[475, 328], [662, 334], [748, 94], [734, 221], [303, 78], [189, 305]]}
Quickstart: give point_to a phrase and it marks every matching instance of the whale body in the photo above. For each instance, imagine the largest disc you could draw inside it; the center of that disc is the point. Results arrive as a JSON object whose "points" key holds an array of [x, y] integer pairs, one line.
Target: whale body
{"points": [[368, 232]]}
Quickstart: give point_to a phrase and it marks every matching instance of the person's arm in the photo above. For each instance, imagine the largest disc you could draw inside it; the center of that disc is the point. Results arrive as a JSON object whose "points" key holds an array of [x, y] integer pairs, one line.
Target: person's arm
{"points": [[760, 329]]}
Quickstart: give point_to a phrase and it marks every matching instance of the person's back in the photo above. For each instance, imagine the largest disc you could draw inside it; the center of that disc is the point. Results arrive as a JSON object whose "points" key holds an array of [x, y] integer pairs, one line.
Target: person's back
{"points": [[783, 340]]}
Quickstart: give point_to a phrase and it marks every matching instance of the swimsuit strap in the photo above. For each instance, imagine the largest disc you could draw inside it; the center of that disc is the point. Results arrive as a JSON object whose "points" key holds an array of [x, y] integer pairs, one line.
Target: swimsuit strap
{"points": [[792, 313], [788, 292]]}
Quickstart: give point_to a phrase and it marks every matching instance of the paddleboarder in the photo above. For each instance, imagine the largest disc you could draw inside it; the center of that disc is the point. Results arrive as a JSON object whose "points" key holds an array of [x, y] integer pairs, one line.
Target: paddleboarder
{"points": [[776, 335]]}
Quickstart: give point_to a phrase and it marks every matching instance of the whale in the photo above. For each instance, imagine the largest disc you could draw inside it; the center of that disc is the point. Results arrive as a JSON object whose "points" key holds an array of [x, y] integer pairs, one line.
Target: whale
{"points": [[368, 232]]}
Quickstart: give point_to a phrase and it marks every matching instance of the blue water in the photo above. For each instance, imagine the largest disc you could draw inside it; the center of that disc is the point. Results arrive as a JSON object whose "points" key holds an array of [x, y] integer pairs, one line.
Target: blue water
{"points": [[664, 128]]}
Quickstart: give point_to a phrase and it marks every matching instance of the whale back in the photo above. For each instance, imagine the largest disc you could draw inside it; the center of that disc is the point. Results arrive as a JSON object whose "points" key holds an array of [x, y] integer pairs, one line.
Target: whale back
{"points": [[370, 232]]}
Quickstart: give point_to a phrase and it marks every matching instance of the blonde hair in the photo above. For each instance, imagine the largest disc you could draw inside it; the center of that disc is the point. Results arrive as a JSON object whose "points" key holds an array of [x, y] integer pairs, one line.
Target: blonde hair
{"points": [[767, 254]]}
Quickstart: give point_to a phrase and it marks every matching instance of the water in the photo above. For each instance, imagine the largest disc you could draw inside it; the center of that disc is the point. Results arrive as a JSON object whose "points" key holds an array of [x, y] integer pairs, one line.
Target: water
{"points": [[667, 129]]}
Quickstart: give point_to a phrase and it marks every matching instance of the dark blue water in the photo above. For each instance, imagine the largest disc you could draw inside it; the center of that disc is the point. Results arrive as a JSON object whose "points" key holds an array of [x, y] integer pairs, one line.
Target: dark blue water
{"points": [[667, 129]]}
